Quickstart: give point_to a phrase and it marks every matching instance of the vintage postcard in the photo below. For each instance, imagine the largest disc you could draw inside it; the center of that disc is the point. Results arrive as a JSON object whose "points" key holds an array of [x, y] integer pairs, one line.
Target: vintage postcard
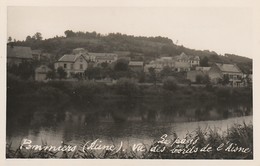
{"points": [[126, 81]]}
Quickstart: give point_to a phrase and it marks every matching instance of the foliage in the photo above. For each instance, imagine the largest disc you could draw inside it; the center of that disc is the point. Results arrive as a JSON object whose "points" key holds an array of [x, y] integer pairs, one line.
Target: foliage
{"points": [[166, 71], [127, 87], [202, 79], [204, 62], [86, 91], [93, 72], [51, 74], [24, 70], [61, 73], [170, 84], [121, 65], [152, 75]]}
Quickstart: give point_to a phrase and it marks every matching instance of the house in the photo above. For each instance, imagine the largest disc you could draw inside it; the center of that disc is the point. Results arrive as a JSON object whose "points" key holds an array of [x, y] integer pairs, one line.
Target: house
{"points": [[41, 73], [18, 54], [192, 60], [36, 54], [72, 63], [102, 57], [137, 66], [218, 71], [159, 63], [204, 69], [181, 66]]}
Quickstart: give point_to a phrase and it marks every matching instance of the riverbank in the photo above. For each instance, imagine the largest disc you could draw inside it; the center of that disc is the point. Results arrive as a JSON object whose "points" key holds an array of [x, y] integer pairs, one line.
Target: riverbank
{"points": [[63, 91]]}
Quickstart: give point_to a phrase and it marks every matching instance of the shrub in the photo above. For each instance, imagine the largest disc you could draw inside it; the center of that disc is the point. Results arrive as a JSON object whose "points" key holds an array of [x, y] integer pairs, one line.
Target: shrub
{"points": [[126, 86], [86, 90], [170, 84]]}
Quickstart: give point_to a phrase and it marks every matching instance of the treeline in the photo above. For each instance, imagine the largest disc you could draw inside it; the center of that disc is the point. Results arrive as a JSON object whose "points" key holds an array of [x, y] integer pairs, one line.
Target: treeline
{"points": [[83, 91], [146, 48]]}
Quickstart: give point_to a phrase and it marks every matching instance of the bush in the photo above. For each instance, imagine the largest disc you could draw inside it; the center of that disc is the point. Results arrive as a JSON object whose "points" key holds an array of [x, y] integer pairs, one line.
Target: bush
{"points": [[86, 90], [170, 84], [50, 94], [128, 87]]}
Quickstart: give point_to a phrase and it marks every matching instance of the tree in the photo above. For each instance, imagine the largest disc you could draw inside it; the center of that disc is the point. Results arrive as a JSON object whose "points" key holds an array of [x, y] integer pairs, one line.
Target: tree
{"points": [[121, 66], [9, 39], [69, 33], [50, 75], [61, 73], [166, 71], [28, 39], [199, 79], [93, 72], [104, 64], [126, 86], [204, 62], [37, 36], [206, 79], [152, 75], [225, 79], [170, 84]]}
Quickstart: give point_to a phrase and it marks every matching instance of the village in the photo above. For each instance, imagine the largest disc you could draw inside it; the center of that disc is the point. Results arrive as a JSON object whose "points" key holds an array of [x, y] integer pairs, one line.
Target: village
{"points": [[109, 67]]}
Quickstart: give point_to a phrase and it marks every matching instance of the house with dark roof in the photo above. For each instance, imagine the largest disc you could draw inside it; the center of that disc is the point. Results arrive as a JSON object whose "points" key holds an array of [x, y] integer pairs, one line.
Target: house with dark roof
{"points": [[72, 63], [18, 54], [231, 71]]}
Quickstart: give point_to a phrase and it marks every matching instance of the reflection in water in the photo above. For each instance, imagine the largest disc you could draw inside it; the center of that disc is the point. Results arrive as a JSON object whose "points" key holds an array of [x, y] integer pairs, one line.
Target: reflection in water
{"points": [[142, 119]]}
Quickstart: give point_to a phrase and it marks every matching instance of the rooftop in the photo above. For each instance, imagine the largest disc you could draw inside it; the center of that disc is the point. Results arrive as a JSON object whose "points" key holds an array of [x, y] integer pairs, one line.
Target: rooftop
{"points": [[19, 52], [228, 68], [136, 63]]}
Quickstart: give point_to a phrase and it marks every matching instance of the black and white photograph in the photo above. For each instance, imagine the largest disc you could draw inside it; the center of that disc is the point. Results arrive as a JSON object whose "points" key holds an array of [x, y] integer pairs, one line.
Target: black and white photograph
{"points": [[130, 82]]}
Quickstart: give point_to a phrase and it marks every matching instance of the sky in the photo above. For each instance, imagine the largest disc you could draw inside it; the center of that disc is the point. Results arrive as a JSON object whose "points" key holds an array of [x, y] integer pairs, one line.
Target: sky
{"points": [[219, 29]]}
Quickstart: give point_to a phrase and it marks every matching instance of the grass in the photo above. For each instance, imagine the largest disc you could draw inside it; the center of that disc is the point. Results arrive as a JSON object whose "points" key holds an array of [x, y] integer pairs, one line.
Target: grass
{"points": [[239, 135]]}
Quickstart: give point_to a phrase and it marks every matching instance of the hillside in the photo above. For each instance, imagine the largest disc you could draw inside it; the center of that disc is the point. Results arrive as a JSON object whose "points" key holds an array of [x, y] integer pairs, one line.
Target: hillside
{"points": [[139, 47]]}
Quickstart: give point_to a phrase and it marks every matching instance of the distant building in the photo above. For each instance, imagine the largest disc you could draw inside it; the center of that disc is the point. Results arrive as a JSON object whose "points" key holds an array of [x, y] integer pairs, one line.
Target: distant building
{"points": [[192, 60], [178, 63], [231, 71], [182, 66], [72, 63], [137, 66], [103, 57], [41, 72], [18, 54], [36, 54], [204, 69], [160, 63]]}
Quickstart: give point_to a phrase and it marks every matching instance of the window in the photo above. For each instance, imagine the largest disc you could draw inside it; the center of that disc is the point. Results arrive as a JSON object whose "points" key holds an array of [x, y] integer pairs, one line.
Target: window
{"points": [[65, 66], [71, 66], [81, 66]]}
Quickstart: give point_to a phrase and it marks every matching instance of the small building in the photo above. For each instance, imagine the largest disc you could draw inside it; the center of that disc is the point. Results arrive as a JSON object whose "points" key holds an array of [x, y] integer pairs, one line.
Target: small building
{"points": [[137, 66], [72, 63], [218, 71], [192, 60], [103, 57], [36, 54], [18, 54], [204, 69], [182, 66], [41, 73]]}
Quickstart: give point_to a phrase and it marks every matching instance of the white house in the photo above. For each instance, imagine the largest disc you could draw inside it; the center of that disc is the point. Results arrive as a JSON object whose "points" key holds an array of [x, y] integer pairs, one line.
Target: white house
{"points": [[72, 63]]}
